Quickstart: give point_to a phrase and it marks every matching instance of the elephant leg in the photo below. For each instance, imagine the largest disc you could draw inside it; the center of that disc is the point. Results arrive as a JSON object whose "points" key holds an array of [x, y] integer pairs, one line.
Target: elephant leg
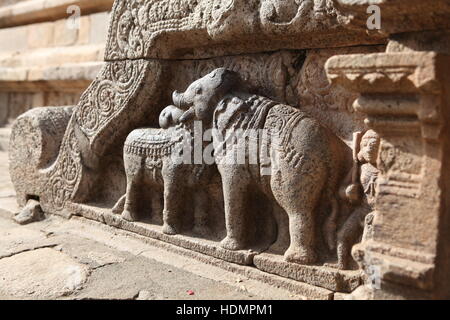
{"points": [[282, 241], [298, 193], [157, 207], [173, 197], [301, 230], [201, 212], [235, 182], [130, 211]]}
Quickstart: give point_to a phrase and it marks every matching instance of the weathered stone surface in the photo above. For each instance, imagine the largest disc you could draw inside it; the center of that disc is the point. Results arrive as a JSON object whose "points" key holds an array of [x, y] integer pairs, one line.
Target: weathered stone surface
{"points": [[136, 32], [325, 277], [405, 86], [15, 240], [42, 273], [397, 16], [208, 247], [34, 151], [305, 197], [110, 253], [31, 212]]}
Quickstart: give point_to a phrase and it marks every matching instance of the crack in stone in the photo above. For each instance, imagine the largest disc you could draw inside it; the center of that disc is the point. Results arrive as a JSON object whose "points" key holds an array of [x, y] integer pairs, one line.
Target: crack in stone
{"points": [[12, 254]]}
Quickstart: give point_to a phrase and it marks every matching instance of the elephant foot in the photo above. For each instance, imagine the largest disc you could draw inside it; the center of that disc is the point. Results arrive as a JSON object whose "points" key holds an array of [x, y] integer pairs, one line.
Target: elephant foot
{"points": [[127, 215], [278, 247], [300, 256], [169, 229], [230, 244]]}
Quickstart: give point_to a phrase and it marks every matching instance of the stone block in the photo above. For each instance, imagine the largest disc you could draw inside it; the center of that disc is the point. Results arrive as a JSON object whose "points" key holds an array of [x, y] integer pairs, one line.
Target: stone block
{"points": [[41, 35], [85, 30], [14, 39], [64, 35], [98, 31]]}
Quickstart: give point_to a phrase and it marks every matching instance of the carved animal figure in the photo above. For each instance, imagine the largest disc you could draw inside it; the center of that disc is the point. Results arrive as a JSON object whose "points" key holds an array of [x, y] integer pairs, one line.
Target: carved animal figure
{"points": [[154, 160], [298, 161]]}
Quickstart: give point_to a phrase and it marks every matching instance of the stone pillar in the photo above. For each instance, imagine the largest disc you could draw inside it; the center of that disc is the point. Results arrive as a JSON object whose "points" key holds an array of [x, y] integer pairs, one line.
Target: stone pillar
{"points": [[404, 97]]}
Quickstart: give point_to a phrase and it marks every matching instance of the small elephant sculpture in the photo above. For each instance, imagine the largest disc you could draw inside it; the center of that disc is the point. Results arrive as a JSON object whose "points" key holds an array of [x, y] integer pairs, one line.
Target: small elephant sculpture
{"points": [[153, 162], [305, 164]]}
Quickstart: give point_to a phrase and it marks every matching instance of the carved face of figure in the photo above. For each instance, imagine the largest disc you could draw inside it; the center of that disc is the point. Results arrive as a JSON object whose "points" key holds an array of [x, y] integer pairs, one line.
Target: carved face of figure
{"points": [[203, 95], [320, 8], [230, 18], [170, 116], [370, 143]]}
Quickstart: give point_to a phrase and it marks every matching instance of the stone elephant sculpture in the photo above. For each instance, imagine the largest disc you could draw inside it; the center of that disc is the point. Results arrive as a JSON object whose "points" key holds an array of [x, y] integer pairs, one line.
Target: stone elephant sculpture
{"points": [[154, 162], [298, 162]]}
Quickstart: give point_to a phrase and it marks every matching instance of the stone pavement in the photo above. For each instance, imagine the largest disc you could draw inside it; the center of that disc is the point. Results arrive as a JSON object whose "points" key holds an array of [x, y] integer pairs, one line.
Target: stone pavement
{"points": [[80, 259]]}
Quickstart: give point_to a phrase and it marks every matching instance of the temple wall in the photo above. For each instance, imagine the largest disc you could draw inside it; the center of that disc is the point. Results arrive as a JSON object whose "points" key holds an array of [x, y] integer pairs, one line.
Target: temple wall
{"points": [[44, 61], [352, 199]]}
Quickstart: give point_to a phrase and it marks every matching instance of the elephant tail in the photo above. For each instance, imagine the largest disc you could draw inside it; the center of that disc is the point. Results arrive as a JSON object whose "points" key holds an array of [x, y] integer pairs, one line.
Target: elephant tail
{"points": [[120, 205], [330, 225]]}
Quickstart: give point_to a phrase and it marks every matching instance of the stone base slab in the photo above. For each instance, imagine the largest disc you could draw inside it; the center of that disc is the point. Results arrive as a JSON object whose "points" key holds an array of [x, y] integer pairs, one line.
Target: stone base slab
{"points": [[321, 276], [312, 281], [305, 290], [208, 247]]}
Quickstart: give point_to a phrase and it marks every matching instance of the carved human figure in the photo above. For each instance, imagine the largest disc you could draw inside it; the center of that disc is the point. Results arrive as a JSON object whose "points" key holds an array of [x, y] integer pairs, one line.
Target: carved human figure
{"points": [[153, 160], [361, 194], [297, 162], [276, 16]]}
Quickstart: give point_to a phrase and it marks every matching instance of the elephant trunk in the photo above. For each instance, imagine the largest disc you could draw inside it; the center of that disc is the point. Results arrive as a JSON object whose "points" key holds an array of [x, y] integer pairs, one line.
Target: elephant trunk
{"points": [[179, 101]]}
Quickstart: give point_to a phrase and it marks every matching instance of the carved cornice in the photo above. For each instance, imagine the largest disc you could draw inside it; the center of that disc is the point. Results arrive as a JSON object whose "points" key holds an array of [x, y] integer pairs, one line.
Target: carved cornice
{"points": [[204, 28], [397, 16], [386, 72], [380, 77]]}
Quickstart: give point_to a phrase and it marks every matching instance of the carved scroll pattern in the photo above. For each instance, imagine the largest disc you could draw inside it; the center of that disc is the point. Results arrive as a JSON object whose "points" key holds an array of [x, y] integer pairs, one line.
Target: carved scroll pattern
{"points": [[108, 95], [105, 98], [134, 23], [65, 172], [272, 75]]}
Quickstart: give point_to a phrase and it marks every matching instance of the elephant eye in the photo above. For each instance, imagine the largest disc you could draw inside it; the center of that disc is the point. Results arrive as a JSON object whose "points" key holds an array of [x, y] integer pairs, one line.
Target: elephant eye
{"points": [[198, 90]]}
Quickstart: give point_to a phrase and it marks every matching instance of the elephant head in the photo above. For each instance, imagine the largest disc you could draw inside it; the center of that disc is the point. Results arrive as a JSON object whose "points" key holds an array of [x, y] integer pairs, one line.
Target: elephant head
{"points": [[203, 95], [170, 116]]}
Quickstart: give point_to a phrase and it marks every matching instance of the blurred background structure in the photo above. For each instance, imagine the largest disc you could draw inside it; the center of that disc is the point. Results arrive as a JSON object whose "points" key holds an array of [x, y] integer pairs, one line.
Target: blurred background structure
{"points": [[50, 51]]}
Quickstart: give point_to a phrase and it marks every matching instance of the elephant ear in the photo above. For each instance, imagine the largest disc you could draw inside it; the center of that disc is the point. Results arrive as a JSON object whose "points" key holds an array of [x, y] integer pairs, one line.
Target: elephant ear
{"points": [[230, 82], [233, 82]]}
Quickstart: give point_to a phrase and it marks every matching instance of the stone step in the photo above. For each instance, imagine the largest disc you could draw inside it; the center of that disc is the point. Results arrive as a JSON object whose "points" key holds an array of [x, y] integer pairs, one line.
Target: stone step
{"points": [[311, 281], [28, 12], [5, 133], [321, 276]]}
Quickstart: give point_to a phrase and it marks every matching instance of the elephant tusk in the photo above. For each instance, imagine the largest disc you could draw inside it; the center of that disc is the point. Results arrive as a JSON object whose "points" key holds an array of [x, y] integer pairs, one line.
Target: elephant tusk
{"points": [[187, 116]]}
